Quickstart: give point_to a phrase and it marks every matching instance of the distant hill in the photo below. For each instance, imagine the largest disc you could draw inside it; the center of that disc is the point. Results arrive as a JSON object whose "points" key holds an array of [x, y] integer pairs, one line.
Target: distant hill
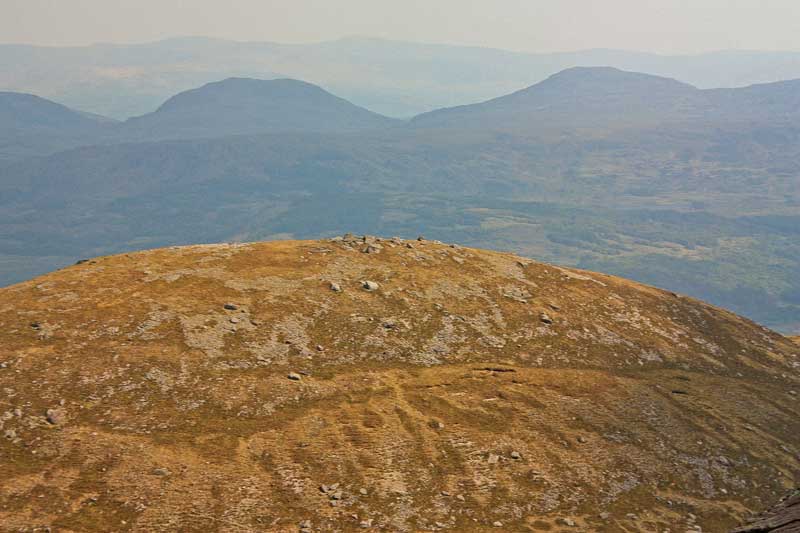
{"points": [[30, 125], [692, 190], [394, 78], [610, 99], [239, 106], [579, 97]]}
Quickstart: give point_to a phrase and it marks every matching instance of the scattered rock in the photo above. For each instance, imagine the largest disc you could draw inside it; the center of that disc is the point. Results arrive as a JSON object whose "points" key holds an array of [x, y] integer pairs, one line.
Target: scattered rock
{"points": [[497, 523], [566, 522], [372, 249], [234, 320], [231, 307], [366, 523], [336, 495], [335, 287], [294, 376], [363, 492], [370, 285], [36, 325], [10, 434], [545, 318], [460, 497], [163, 472], [582, 439], [516, 455], [56, 416], [493, 459]]}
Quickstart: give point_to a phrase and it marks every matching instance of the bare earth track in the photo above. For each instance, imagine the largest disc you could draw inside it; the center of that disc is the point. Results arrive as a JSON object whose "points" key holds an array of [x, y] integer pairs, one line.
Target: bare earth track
{"points": [[466, 391]]}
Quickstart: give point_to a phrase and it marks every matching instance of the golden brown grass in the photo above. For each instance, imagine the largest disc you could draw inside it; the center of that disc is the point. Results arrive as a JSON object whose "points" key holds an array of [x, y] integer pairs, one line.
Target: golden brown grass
{"points": [[633, 409]]}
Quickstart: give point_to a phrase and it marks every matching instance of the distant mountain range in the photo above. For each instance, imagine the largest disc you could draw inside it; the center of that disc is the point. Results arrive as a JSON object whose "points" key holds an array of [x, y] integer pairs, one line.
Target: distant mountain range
{"points": [[394, 78], [30, 125], [637, 175]]}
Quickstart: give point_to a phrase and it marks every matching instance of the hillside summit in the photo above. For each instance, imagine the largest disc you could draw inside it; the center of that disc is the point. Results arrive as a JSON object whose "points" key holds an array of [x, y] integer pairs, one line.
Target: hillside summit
{"points": [[383, 385]]}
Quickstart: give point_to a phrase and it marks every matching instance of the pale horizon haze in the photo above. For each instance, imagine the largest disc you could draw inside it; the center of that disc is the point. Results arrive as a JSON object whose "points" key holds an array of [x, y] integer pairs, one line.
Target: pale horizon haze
{"points": [[668, 27]]}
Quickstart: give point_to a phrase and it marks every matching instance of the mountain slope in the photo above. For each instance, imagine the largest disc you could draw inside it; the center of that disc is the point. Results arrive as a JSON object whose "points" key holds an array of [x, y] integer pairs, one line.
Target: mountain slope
{"points": [[30, 125], [240, 106], [258, 386]]}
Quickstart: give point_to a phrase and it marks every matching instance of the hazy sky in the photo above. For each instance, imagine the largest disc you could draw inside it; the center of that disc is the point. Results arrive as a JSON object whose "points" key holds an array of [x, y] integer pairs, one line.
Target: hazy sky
{"points": [[528, 25]]}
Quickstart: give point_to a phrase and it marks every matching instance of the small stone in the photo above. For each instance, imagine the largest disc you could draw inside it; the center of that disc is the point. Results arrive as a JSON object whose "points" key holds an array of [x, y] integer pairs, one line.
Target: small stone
{"points": [[497, 523], [335, 287], [10, 434], [294, 376], [324, 488], [493, 458], [55, 416], [370, 286], [231, 307], [793, 392], [420, 238], [566, 522], [17, 412], [36, 325], [545, 318], [582, 439], [163, 472], [363, 492], [516, 455], [320, 348], [460, 498], [336, 495], [366, 523], [3, 365], [234, 320], [372, 249], [305, 524]]}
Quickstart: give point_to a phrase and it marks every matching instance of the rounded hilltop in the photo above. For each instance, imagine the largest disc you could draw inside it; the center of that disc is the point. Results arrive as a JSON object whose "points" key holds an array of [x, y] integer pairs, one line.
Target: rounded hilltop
{"points": [[360, 383]]}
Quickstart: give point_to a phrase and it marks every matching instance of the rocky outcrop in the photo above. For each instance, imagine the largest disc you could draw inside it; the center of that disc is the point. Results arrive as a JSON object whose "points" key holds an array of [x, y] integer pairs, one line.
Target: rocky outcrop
{"points": [[783, 518]]}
